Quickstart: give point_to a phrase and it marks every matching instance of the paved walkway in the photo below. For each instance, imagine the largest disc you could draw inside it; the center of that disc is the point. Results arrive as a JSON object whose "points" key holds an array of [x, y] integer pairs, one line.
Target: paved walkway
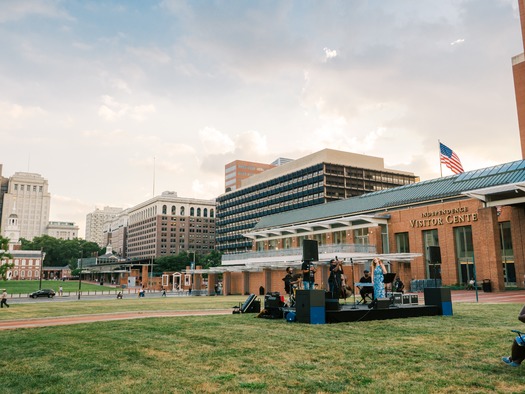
{"points": [[517, 296]]}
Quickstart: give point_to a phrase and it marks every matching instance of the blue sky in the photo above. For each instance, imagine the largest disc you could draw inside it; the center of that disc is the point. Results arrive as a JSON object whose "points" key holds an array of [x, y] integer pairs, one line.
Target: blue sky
{"points": [[93, 93]]}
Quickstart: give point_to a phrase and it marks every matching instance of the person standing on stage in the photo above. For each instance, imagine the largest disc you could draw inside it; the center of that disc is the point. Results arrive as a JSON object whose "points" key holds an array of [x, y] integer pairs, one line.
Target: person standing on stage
{"points": [[378, 278], [335, 278], [366, 278], [309, 271]]}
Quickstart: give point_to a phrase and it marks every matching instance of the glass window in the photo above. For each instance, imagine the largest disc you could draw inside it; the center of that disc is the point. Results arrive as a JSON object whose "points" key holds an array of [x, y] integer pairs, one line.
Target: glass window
{"points": [[192, 211], [464, 253], [507, 254], [402, 244], [164, 209], [433, 268]]}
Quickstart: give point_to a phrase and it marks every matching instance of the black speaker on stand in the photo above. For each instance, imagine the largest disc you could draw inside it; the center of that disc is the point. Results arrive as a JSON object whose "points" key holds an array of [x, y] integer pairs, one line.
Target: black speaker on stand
{"points": [[434, 254], [310, 251]]}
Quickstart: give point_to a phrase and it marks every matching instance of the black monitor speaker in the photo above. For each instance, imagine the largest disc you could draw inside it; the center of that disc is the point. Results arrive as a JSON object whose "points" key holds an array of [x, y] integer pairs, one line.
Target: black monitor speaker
{"points": [[310, 252], [434, 253]]}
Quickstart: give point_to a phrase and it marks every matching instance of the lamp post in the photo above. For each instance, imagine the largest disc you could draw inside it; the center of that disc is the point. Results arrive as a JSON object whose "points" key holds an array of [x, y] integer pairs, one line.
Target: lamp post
{"points": [[80, 275], [42, 257]]}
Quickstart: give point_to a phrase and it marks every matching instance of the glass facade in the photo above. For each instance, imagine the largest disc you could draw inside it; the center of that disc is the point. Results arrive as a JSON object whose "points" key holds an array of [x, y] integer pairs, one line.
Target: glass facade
{"points": [[464, 254]]}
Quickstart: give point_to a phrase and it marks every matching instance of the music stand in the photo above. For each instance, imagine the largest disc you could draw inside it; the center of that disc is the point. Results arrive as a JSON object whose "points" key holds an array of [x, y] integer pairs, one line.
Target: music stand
{"points": [[389, 279]]}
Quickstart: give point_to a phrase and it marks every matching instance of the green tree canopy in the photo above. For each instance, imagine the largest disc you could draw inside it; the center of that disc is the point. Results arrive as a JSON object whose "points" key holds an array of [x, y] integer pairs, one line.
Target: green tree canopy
{"points": [[62, 252], [179, 262], [4, 255]]}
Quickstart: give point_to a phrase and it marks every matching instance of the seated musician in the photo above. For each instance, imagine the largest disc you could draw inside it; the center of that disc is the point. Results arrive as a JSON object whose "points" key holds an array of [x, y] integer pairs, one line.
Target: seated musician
{"points": [[398, 285], [366, 278]]}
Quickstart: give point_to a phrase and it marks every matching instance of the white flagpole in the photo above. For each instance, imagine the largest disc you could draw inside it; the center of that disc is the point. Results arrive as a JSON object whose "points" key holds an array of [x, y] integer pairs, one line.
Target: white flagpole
{"points": [[440, 164]]}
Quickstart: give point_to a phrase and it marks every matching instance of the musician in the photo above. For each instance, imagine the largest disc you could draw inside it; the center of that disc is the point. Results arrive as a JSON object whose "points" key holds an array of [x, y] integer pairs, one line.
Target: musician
{"points": [[309, 271], [378, 278], [366, 278], [335, 278], [289, 280], [398, 285]]}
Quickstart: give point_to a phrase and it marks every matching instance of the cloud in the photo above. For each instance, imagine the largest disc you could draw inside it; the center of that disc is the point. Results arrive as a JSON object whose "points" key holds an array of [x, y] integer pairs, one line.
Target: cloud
{"points": [[17, 10], [18, 112], [329, 54], [213, 141], [150, 55], [111, 110], [458, 41]]}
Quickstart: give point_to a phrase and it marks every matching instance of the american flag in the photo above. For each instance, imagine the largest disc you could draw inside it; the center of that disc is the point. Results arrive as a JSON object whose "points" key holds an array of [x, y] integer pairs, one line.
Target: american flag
{"points": [[450, 159]]}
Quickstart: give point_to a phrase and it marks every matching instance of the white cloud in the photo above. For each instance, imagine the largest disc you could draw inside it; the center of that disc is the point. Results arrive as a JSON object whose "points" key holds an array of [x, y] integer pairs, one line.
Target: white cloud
{"points": [[19, 112], [329, 54], [150, 55], [213, 141], [458, 41], [17, 10]]}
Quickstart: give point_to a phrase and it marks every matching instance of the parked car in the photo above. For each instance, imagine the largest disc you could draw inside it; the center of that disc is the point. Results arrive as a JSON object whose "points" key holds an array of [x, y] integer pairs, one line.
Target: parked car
{"points": [[50, 293]]}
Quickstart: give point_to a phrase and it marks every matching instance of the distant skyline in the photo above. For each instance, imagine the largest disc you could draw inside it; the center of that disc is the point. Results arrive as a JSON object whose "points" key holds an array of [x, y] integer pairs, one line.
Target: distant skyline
{"points": [[101, 97]]}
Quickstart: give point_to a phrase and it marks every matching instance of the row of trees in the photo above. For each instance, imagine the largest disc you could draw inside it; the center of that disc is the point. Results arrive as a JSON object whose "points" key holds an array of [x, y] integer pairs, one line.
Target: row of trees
{"points": [[62, 252], [4, 255], [180, 261]]}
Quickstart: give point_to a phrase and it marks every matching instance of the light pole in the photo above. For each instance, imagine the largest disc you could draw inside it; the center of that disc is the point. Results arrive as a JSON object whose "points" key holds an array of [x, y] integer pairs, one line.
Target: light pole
{"points": [[42, 257], [80, 276]]}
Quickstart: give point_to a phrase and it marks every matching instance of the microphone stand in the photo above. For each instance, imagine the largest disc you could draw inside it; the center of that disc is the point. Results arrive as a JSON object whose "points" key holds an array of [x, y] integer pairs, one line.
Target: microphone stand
{"points": [[353, 283]]}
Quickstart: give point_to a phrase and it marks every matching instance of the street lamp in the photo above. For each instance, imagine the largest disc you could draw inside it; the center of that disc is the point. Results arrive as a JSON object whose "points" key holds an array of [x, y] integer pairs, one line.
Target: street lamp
{"points": [[42, 257], [80, 275]]}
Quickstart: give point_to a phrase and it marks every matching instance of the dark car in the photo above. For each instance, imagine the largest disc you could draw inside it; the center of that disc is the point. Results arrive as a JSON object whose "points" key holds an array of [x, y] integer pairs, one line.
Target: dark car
{"points": [[50, 293]]}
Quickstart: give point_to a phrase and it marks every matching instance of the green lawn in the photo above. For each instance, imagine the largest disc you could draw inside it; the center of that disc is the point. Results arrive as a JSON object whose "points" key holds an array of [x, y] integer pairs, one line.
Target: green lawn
{"points": [[17, 287], [241, 354]]}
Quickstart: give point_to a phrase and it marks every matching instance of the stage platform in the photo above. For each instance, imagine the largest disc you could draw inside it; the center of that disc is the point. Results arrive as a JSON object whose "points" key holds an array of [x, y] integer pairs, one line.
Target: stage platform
{"points": [[351, 313]]}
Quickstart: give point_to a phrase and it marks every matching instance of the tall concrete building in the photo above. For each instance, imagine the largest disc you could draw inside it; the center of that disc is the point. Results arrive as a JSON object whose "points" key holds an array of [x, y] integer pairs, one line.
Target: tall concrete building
{"points": [[518, 70], [167, 225], [321, 177], [116, 233], [95, 224], [27, 195], [237, 170], [3, 189]]}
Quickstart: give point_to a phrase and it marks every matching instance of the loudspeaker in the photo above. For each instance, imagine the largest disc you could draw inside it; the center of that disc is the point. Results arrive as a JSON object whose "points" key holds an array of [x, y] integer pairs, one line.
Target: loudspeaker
{"points": [[273, 300], [310, 306], [382, 303], [310, 252], [434, 254], [441, 297]]}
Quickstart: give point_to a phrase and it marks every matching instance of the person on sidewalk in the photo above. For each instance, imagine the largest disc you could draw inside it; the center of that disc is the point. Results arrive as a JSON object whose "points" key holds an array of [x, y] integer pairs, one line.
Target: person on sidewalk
{"points": [[518, 346], [4, 299]]}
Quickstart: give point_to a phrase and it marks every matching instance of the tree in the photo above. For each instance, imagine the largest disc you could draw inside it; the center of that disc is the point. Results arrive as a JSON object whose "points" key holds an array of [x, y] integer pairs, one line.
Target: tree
{"points": [[62, 252], [4, 255]]}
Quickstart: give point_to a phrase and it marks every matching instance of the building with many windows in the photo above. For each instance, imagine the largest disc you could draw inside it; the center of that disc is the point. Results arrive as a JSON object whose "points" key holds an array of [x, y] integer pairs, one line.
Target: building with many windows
{"points": [[168, 224], [27, 195], [446, 231], [116, 233], [62, 230], [237, 170], [325, 176], [95, 224]]}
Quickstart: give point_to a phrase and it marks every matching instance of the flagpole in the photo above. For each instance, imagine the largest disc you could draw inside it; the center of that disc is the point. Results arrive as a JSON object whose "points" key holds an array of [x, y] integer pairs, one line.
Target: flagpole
{"points": [[440, 164]]}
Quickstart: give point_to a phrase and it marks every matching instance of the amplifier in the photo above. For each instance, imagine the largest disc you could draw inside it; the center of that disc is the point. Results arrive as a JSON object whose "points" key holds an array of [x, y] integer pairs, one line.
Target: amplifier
{"points": [[414, 299], [406, 299], [382, 303], [397, 298]]}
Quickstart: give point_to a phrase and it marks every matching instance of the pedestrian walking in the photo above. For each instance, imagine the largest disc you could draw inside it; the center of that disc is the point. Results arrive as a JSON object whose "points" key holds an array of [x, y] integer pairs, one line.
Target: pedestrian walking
{"points": [[4, 299]]}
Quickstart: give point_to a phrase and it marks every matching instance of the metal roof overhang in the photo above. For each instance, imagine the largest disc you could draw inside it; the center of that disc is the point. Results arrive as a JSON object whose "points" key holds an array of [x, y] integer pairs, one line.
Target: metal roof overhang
{"points": [[252, 265], [350, 222], [509, 194]]}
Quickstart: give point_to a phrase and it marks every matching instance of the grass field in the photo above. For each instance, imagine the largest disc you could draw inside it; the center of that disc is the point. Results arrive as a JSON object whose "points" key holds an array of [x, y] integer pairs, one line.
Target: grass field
{"points": [[242, 354], [16, 287]]}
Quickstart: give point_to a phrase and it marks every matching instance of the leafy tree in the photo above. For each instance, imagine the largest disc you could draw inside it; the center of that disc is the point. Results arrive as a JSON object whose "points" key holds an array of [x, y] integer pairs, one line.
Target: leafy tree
{"points": [[4, 255], [62, 252]]}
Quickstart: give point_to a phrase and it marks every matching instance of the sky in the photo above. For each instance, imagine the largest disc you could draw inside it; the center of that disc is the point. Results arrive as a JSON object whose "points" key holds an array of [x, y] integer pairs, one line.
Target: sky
{"points": [[116, 101]]}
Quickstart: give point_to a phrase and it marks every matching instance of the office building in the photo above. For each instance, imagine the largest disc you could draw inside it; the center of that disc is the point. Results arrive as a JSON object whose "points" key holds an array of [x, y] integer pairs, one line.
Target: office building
{"points": [[518, 70], [27, 195], [321, 177], [95, 224], [237, 170], [168, 224], [62, 230]]}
